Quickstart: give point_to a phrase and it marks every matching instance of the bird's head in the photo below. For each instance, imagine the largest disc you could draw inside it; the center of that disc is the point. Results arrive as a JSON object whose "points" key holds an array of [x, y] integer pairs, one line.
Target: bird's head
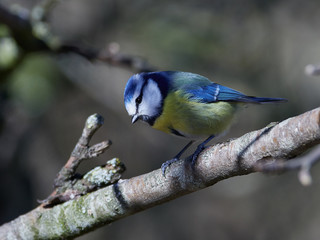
{"points": [[144, 95]]}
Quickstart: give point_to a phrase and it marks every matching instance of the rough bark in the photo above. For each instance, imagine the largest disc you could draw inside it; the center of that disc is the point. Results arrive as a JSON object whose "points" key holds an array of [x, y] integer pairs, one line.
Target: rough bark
{"points": [[240, 156]]}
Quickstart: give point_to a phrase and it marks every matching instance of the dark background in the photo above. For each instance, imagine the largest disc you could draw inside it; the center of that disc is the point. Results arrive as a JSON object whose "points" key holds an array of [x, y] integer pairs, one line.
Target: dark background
{"points": [[258, 47]]}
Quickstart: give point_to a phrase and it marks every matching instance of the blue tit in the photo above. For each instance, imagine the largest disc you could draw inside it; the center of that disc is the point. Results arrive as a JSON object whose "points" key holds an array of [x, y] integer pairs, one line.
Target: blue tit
{"points": [[184, 104]]}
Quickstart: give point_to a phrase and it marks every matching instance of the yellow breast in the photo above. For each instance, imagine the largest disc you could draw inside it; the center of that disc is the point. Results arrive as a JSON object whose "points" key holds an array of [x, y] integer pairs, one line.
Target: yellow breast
{"points": [[194, 119]]}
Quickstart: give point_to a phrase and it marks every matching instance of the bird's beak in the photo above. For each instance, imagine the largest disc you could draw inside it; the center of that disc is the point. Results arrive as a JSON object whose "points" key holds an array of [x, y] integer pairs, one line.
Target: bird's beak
{"points": [[134, 118]]}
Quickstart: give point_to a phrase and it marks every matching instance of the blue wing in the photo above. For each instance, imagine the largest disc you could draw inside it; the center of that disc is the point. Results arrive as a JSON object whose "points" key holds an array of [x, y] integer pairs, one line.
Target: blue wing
{"points": [[216, 92], [201, 89]]}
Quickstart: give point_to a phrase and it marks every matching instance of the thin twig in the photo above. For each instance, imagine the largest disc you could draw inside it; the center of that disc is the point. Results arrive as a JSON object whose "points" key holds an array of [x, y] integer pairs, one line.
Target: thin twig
{"points": [[303, 164], [81, 150], [108, 55], [68, 184]]}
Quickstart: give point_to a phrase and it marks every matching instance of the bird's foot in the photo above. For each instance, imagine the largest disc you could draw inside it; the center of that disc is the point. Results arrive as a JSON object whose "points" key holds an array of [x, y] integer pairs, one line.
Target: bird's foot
{"points": [[199, 149], [167, 164], [196, 153]]}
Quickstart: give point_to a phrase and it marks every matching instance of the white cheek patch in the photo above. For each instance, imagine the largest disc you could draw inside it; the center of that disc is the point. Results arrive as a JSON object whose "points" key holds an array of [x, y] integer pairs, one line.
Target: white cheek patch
{"points": [[151, 101], [131, 107]]}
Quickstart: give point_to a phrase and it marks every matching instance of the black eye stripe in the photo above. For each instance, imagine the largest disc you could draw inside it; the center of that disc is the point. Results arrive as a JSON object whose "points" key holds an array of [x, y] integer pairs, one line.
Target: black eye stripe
{"points": [[139, 99]]}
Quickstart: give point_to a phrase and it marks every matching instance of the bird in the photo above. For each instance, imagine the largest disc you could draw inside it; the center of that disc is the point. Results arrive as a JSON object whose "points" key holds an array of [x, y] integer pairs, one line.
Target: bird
{"points": [[186, 105]]}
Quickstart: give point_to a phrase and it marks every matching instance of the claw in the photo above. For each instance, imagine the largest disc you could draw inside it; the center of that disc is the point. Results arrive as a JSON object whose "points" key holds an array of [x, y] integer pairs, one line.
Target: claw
{"points": [[167, 164]]}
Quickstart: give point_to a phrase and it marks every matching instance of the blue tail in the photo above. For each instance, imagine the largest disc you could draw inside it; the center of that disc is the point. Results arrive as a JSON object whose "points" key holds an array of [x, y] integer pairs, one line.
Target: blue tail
{"points": [[216, 92], [231, 95], [259, 100]]}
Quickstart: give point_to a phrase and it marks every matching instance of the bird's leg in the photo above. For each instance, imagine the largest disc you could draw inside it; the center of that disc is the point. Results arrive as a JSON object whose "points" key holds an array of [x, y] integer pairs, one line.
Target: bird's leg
{"points": [[176, 158], [199, 149]]}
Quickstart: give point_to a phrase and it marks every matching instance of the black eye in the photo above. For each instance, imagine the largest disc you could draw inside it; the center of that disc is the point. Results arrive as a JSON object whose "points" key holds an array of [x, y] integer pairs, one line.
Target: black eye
{"points": [[138, 99]]}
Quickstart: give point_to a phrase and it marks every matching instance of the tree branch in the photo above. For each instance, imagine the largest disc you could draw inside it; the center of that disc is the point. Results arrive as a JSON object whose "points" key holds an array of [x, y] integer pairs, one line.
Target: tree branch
{"points": [[126, 197]]}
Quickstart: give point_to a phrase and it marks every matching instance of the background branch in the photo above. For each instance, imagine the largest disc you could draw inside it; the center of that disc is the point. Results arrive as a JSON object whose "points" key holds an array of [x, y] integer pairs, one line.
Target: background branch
{"points": [[224, 160], [32, 33], [303, 164]]}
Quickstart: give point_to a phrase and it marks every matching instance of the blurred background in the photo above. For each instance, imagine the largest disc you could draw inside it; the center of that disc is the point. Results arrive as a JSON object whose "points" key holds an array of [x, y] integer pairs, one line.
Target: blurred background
{"points": [[258, 47]]}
